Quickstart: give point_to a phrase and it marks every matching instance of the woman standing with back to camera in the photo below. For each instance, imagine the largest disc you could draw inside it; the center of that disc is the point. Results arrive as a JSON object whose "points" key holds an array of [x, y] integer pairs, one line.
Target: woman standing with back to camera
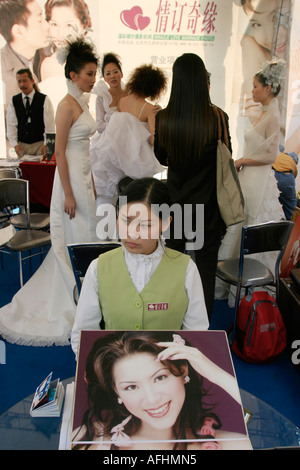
{"points": [[186, 137]]}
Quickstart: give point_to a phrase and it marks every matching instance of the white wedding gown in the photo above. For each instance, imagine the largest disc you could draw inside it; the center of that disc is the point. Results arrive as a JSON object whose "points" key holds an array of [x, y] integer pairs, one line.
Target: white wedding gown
{"points": [[104, 112], [259, 187], [122, 150], [42, 311]]}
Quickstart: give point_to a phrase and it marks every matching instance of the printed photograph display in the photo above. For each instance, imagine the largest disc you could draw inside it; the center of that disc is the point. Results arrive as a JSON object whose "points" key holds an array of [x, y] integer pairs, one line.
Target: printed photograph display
{"points": [[291, 257], [156, 390]]}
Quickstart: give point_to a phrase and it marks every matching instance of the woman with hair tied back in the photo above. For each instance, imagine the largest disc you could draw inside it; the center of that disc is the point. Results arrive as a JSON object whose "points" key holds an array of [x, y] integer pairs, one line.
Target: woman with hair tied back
{"points": [[186, 136], [108, 90], [256, 176], [42, 312], [126, 146]]}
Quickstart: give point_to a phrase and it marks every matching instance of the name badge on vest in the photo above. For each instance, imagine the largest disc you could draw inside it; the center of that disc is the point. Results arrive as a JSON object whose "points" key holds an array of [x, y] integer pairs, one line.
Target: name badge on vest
{"points": [[159, 306]]}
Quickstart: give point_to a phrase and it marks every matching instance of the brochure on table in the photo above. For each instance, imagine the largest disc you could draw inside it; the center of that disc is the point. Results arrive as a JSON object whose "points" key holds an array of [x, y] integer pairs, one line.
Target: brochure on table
{"points": [[48, 398]]}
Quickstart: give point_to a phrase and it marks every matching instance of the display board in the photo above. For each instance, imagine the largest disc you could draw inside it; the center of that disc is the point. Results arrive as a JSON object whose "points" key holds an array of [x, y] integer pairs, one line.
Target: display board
{"points": [[233, 41]]}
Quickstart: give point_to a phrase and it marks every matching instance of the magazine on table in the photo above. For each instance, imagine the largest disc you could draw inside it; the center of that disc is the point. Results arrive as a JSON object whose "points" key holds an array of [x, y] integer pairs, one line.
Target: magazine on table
{"points": [[149, 389], [48, 398]]}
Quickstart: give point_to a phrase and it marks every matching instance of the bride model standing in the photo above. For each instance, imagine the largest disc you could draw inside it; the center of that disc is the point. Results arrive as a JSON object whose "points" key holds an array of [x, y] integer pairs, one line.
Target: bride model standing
{"points": [[109, 90], [256, 176], [42, 312]]}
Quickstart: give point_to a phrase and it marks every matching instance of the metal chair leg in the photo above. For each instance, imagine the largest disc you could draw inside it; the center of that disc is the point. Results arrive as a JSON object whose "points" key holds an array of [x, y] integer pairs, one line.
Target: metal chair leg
{"points": [[20, 268], [236, 307]]}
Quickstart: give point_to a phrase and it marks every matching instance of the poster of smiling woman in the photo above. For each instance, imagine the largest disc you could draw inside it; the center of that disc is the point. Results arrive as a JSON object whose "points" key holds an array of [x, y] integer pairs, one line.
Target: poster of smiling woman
{"points": [[156, 390]]}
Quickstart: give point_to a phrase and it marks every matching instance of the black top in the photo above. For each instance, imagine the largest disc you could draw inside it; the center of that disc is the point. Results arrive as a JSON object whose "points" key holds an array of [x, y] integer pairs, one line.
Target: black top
{"points": [[31, 125], [194, 183]]}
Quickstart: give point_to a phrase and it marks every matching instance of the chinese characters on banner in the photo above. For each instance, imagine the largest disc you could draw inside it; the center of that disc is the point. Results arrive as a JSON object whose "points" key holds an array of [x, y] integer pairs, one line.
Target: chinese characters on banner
{"points": [[186, 16]]}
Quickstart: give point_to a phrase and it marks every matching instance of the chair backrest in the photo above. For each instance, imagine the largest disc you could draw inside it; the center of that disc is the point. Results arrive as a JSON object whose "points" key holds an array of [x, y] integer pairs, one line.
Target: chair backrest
{"points": [[7, 173], [15, 192], [269, 236], [82, 254]]}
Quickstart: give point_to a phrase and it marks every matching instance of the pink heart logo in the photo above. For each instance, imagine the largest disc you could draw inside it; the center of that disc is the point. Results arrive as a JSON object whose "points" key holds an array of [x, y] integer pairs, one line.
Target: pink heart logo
{"points": [[142, 21], [134, 18]]}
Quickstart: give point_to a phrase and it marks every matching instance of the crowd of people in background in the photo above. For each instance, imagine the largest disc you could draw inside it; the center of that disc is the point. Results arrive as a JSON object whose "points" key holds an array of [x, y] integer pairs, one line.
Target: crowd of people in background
{"points": [[137, 175], [133, 138]]}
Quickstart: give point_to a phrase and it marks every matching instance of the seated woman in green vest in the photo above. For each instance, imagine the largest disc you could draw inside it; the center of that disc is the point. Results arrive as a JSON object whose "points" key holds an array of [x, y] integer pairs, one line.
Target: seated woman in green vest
{"points": [[142, 285]]}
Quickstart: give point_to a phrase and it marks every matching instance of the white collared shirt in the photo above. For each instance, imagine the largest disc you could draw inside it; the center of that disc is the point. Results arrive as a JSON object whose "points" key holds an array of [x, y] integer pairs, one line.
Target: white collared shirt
{"points": [[140, 268], [12, 121]]}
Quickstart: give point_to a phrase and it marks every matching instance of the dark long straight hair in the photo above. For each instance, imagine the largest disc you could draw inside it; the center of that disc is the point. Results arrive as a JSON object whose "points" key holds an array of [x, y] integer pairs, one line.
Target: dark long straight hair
{"points": [[187, 124]]}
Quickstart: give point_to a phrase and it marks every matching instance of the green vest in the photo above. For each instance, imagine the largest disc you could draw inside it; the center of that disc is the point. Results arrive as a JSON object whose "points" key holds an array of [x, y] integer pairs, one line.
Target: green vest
{"points": [[161, 305]]}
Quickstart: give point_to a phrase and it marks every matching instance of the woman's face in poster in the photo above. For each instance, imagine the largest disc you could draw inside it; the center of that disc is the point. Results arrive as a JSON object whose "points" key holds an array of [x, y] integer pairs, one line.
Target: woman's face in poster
{"points": [[263, 22], [64, 24], [149, 390]]}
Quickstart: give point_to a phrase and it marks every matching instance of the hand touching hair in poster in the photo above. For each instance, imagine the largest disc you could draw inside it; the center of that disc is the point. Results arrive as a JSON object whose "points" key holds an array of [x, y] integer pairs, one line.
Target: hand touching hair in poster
{"points": [[67, 19]]}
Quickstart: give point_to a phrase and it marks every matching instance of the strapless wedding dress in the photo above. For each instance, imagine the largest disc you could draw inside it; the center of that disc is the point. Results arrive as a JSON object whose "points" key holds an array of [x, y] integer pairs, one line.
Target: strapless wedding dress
{"points": [[42, 311]]}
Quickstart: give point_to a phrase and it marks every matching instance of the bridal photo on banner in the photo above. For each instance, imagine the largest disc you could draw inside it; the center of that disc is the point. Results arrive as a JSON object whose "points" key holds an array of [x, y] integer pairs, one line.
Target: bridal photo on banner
{"points": [[233, 37]]}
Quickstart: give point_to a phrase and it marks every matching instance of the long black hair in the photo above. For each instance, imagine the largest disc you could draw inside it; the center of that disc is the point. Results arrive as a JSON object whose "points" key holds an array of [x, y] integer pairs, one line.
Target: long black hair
{"points": [[188, 122]]}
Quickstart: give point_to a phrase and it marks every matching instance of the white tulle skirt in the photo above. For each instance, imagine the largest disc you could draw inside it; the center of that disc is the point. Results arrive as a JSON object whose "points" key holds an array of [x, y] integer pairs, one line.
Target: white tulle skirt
{"points": [[123, 149]]}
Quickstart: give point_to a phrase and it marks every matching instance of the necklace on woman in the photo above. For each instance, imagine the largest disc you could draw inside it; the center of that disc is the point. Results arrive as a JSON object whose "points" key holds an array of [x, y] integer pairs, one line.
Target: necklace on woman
{"points": [[264, 108]]}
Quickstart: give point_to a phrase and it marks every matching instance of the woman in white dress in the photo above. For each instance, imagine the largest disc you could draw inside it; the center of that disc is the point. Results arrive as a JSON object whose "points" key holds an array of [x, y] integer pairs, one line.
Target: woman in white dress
{"points": [[109, 90], [256, 176], [42, 312], [126, 146]]}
